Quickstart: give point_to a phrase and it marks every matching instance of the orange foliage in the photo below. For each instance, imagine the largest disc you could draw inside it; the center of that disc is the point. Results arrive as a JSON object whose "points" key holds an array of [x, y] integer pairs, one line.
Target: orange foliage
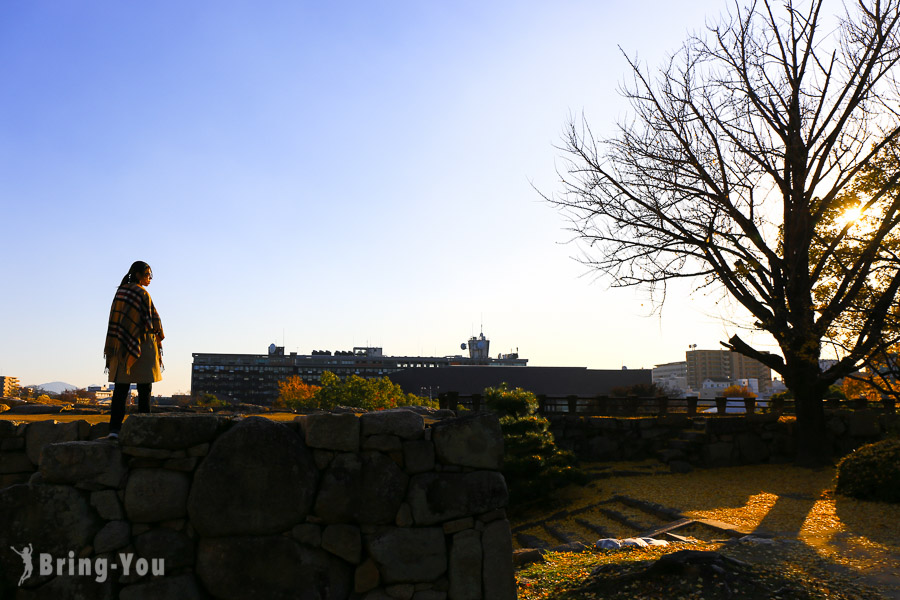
{"points": [[293, 393]]}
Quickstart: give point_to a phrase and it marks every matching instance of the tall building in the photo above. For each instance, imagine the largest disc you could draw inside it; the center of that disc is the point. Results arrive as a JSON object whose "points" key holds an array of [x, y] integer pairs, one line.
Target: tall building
{"points": [[707, 364], [9, 386], [718, 365], [253, 378]]}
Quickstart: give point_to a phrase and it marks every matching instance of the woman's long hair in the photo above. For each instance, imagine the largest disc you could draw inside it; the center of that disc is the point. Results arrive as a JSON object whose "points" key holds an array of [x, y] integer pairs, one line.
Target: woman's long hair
{"points": [[134, 273]]}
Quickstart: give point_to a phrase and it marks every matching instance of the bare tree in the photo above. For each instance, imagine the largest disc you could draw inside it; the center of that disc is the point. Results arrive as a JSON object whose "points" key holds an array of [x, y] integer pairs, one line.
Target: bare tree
{"points": [[740, 153]]}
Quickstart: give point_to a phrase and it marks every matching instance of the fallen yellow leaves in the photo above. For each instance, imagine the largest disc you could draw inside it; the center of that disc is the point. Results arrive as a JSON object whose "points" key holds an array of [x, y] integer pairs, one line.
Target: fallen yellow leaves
{"points": [[787, 502]]}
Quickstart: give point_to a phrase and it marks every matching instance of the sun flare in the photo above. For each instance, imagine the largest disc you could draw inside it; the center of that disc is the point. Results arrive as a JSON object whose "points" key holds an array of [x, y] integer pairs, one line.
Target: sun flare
{"points": [[850, 216]]}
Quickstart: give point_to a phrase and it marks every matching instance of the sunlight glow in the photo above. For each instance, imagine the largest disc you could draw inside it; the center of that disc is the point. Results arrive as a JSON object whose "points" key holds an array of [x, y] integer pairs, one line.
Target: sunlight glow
{"points": [[850, 216]]}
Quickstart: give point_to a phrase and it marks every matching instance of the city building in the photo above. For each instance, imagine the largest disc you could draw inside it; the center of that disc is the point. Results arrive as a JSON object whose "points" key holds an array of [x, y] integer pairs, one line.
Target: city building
{"points": [[9, 386], [672, 377], [712, 387], [553, 382], [253, 378], [721, 365], [103, 392]]}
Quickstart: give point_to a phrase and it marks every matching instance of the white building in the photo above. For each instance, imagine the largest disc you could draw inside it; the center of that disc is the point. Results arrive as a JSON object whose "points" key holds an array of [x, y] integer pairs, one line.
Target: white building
{"points": [[713, 386], [671, 376]]}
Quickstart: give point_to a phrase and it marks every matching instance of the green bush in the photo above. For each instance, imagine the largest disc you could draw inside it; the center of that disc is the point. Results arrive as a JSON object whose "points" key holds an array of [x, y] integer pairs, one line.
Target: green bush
{"points": [[871, 472], [532, 464]]}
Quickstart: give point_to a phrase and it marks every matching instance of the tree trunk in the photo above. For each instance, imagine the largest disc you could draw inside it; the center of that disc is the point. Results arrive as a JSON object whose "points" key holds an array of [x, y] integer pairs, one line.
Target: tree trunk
{"points": [[813, 449]]}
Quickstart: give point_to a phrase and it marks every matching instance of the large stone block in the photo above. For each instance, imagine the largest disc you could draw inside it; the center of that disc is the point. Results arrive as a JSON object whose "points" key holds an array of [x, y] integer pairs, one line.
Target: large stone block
{"points": [[725, 425], [153, 495], [718, 454], [15, 462], [753, 450], [273, 567], [367, 488], [498, 574], [169, 432], [107, 505], [71, 587], [330, 431], [54, 519], [258, 478], [8, 429], [174, 547], [83, 462], [344, 541], [465, 566], [400, 422], [863, 423], [472, 441], [439, 497], [182, 587], [418, 456], [113, 535], [41, 433], [409, 554]]}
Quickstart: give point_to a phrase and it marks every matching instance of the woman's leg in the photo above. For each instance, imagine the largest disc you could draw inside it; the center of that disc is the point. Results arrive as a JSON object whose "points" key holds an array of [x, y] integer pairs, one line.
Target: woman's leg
{"points": [[143, 390], [117, 406]]}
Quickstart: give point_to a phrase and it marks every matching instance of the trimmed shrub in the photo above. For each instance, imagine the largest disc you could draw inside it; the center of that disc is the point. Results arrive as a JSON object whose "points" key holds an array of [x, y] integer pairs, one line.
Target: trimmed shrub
{"points": [[532, 464], [871, 472]]}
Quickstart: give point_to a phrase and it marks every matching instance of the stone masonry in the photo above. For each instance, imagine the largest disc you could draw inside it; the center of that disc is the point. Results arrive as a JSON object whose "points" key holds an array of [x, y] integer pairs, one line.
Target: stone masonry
{"points": [[378, 506]]}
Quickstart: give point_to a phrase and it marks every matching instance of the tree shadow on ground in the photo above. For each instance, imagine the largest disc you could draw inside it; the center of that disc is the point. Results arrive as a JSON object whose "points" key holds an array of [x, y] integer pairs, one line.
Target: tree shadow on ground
{"points": [[875, 521]]}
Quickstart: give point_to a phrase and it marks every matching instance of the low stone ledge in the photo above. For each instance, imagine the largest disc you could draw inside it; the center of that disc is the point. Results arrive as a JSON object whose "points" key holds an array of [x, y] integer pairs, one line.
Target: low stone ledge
{"points": [[440, 497], [329, 431], [41, 433], [170, 432], [403, 423], [83, 462], [409, 554], [254, 512], [471, 441]]}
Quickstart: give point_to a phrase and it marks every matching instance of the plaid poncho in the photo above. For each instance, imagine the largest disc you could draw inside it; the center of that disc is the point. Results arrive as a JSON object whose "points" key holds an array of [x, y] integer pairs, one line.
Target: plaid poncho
{"points": [[132, 316]]}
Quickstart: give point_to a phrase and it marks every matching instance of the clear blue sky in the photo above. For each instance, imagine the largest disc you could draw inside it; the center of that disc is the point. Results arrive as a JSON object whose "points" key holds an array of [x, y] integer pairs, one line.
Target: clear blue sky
{"points": [[319, 174]]}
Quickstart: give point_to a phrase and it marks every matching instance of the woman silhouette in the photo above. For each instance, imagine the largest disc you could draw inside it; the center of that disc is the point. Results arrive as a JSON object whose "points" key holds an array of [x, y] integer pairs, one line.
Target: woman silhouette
{"points": [[133, 348]]}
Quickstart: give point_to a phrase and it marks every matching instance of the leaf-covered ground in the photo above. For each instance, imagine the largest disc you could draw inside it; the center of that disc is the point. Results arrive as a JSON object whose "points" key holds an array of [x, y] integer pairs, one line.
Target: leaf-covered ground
{"points": [[820, 545]]}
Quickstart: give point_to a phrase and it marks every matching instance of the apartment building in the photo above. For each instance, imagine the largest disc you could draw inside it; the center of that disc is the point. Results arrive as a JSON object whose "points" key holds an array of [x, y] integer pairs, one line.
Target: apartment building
{"points": [[719, 365], [9, 386]]}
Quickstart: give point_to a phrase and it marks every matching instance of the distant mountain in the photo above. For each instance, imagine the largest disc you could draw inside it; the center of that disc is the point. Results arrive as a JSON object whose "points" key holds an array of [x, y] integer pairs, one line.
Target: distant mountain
{"points": [[56, 387]]}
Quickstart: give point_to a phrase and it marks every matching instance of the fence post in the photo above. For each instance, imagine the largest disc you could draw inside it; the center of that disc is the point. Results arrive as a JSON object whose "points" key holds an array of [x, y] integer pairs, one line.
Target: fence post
{"points": [[777, 406], [692, 406], [750, 405], [449, 400], [721, 405], [663, 405]]}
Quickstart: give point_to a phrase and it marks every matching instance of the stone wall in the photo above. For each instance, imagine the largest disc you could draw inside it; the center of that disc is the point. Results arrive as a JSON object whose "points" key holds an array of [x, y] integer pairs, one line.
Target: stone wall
{"points": [[331, 506], [710, 441]]}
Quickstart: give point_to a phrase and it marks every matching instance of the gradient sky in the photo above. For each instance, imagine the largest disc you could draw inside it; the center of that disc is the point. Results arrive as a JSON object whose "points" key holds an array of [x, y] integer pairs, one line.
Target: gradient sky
{"points": [[319, 175]]}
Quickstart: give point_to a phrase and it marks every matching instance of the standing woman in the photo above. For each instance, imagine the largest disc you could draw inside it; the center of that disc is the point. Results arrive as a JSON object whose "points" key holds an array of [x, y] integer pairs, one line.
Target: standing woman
{"points": [[133, 348]]}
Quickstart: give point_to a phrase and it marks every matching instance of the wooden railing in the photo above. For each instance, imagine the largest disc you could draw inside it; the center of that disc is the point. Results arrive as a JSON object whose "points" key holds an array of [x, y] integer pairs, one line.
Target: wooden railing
{"points": [[634, 406]]}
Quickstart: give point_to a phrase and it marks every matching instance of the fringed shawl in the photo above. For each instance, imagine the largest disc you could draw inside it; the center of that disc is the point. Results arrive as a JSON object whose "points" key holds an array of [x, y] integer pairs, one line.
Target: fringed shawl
{"points": [[131, 317]]}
